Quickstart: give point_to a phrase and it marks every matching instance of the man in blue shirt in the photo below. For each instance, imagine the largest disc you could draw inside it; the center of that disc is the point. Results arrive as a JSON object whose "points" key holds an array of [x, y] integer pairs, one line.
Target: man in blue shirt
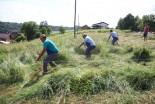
{"points": [[89, 43], [52, 53], [114, 36]]}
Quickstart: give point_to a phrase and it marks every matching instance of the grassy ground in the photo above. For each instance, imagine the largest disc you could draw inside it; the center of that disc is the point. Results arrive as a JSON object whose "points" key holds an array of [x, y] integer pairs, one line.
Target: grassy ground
{"points": [[110, 76]]}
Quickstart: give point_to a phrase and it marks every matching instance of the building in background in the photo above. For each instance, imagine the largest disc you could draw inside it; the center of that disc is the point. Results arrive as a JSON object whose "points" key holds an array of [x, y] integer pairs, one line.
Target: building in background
{"points": [[85, 27], [101, 25]]}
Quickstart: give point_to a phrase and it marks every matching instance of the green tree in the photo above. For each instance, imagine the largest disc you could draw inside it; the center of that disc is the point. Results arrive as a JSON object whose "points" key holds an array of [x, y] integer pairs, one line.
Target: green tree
{"points": [[61, 29], [120, 24], [7, 27], [20, 38], [137, 26], [45, 28], [129, 22], [150, 19], [30, 30]]}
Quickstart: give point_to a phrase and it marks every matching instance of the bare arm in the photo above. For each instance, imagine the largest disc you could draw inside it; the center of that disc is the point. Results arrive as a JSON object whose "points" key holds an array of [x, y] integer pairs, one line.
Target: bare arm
{"points": [[109, 38], [81, 44], [41, 54]]}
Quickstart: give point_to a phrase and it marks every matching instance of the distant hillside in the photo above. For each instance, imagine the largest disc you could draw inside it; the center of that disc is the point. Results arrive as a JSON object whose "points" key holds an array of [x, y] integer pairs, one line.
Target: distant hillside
{"points": [[7, 27]]}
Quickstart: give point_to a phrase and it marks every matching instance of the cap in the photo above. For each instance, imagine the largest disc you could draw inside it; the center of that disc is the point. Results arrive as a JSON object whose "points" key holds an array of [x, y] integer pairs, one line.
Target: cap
{"points": [[84, 34], [42, 36]]}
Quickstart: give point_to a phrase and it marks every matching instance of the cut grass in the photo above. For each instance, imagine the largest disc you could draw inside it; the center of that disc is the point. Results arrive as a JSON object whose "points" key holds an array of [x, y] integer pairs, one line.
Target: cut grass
{"points": [[109, 76]]}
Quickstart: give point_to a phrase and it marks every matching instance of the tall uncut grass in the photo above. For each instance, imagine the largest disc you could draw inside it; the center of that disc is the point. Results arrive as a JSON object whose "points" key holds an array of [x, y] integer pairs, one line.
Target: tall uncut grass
{"points": [[10, 73], [111, 75]]}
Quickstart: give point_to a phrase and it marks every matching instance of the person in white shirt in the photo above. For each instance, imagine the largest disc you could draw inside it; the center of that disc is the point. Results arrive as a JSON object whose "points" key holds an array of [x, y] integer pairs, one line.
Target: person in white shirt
{"points": [[89, 43], [114, 36]]}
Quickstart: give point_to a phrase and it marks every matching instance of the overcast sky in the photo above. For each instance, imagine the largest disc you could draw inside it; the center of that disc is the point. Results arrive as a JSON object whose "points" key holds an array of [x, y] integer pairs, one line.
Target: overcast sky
{"points": [[61, 12]]}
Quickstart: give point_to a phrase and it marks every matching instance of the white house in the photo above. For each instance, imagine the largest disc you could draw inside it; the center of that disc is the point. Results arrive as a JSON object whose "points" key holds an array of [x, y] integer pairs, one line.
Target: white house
{"points": [[100, 25]]}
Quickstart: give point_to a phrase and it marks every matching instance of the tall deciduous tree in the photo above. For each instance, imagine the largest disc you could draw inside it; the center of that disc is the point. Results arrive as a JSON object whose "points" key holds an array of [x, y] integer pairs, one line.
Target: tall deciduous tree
{"points": [[150, 20], [129, 22], [45, 28], [30, 30], [138, 24], [135, 23], [120, 24]]}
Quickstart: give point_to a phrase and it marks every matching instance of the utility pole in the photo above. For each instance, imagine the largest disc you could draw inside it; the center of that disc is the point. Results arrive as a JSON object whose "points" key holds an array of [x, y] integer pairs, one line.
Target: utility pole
{"points": [[75, 21], [78, 24]]}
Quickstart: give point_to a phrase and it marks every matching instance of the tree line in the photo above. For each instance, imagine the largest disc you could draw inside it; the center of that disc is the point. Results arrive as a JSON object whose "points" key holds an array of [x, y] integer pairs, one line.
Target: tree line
{"points": [[30, 29], [7, 27], [129, 22]]}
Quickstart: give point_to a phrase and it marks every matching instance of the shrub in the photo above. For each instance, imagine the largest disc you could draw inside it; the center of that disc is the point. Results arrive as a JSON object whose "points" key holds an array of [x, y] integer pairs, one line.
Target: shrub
{"points": [[20, 38], [141, 54], [61, 29]]}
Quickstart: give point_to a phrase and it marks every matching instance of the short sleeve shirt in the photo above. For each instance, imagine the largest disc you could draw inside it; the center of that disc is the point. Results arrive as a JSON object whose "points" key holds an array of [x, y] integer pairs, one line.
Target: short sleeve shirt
{"points": [[88, 40], [113, 34], [146, 29], [50, 47]]}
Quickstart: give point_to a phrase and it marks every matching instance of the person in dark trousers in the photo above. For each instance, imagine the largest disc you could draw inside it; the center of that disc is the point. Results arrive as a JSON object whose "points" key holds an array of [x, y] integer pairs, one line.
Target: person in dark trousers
{"points": [[52, 53], [89, 43], [146, 30], [114, 36]]}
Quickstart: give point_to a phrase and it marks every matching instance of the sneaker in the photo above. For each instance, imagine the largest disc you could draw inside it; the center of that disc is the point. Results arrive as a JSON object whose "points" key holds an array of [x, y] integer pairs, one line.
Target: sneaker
{"points": [[88, 56], [44, 73], [54, 64]]}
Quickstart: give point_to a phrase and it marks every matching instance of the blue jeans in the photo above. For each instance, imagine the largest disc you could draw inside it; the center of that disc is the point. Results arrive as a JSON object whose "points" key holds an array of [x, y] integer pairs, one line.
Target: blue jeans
{"points": [[49, 59], [88, 49], [114, 40]]}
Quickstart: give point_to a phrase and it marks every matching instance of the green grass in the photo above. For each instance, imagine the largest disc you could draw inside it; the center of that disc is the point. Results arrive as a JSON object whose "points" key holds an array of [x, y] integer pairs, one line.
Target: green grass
{"points": [[10, 73], [111, 75]]}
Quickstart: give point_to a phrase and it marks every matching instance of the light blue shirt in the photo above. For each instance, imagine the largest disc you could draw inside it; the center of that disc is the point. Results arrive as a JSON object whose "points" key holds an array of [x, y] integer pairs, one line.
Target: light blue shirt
{"points": [[113, 34], [90, 41]]}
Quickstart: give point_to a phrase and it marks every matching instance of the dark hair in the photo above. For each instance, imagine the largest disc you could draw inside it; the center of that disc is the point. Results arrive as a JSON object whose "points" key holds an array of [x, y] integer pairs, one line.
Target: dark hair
{"points": [[111, 30]]}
